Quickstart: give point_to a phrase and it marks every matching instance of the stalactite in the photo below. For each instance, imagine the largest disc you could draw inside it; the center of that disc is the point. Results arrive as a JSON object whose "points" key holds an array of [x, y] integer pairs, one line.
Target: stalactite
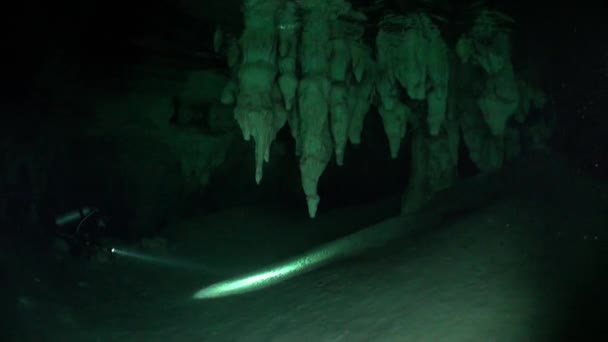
{"points": [[255, 110], [306, 63]]}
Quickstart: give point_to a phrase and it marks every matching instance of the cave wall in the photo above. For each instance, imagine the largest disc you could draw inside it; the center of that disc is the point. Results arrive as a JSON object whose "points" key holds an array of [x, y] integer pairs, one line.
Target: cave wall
{"points": [[109, 103]]}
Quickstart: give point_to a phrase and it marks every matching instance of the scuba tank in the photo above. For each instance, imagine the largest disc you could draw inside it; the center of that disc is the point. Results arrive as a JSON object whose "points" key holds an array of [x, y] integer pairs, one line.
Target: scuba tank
{"points": [[81, 229], [76, 215]]}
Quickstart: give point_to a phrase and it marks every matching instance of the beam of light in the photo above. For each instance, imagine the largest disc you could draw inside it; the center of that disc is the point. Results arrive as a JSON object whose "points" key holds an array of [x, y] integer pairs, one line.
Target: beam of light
{"points": [[263, 278], [162, 261], [374, 236]]}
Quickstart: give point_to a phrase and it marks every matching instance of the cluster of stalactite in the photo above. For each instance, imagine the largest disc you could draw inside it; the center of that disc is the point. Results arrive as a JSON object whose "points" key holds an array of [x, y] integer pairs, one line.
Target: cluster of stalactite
{"points": [[306, 64]]}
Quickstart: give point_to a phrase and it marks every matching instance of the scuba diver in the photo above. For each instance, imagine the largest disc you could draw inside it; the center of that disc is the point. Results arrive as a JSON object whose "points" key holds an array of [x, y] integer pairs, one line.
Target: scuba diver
{"points": [[82, 229]]}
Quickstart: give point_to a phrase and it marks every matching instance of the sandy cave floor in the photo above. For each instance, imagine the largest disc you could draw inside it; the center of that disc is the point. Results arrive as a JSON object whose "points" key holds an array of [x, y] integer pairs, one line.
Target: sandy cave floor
{"points": [[517, 270]]}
